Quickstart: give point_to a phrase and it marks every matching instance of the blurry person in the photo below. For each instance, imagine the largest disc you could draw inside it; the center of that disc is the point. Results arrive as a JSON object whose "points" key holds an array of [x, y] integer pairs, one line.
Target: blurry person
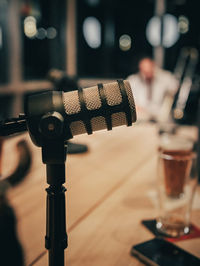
{"points": [[64, 83], [150, 85]]}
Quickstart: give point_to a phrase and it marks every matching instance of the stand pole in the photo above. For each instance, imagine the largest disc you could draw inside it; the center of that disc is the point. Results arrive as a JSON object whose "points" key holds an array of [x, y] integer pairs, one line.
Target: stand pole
{"points": [[56, 236]]}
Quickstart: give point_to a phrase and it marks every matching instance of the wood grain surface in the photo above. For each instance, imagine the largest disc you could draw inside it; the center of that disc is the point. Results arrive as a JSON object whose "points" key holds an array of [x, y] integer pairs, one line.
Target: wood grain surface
{"points": [[110, 189]]}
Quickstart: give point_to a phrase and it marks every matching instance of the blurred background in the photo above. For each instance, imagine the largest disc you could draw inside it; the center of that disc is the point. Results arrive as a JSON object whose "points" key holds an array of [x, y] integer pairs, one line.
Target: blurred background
{"points": [[88, 39], [94, 41]]}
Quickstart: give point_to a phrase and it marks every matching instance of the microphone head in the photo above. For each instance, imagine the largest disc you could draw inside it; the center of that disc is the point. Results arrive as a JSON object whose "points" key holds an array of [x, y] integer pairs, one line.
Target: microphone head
{"points": [[99, 107]]}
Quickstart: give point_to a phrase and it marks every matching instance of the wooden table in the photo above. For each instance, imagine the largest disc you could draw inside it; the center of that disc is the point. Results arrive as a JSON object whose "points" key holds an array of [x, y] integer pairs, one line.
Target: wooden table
{"points": [[110, 190]]}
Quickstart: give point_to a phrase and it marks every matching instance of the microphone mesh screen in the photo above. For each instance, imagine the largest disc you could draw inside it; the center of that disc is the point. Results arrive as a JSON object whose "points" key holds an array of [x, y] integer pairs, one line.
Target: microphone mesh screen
{"points": [[77, 128], [118, 119], [92, 99], [98, 123], [71, 103], [93, 102], [112, 92]]}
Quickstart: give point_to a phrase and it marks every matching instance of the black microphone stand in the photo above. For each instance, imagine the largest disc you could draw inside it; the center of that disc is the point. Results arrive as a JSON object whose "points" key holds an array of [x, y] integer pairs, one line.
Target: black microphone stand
{"points": [[54, 155]]}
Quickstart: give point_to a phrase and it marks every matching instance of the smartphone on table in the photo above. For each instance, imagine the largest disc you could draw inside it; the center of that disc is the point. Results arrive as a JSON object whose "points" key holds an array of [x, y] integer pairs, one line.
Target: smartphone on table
{"points": [[159, 252]]}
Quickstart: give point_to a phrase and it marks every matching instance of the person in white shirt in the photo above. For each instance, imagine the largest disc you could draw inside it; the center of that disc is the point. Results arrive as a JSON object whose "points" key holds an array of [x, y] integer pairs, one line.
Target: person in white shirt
{"points": [[150, 86]]}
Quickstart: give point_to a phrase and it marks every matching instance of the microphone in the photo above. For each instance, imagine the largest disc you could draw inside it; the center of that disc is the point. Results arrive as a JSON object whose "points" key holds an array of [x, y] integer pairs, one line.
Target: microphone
{"points": [[100, 107], [55, 114]]}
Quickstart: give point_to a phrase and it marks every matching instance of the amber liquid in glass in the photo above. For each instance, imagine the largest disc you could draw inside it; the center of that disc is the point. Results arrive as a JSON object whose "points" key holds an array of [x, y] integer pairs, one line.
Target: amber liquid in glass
{"points": [[176, 171]]}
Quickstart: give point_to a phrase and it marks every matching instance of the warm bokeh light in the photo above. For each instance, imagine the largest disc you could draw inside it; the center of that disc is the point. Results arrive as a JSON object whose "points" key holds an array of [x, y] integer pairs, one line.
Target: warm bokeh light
{"points": [[30, 27], [125, 42], [183, 24]]}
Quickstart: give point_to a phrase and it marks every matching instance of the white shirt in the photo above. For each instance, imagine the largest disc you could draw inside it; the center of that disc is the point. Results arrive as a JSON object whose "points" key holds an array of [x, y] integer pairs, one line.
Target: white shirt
{"points": [[163, 83]]}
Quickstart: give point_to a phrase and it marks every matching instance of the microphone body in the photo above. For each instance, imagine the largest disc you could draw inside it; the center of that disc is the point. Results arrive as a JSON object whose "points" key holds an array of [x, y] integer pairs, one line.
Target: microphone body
{"points": [[58, 115]]}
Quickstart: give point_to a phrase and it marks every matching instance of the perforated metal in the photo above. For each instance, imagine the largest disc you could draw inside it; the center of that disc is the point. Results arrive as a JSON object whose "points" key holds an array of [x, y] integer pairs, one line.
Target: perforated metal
{"points": [[112, 92], [92, 98], [98, 123], [118, 119], [93, 102], [77, 128], [130, 98], [71, 102]]}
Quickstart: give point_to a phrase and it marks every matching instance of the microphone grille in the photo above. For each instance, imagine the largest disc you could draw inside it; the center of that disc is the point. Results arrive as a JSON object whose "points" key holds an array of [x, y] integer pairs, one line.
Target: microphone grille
{"points": [[99, 107]]}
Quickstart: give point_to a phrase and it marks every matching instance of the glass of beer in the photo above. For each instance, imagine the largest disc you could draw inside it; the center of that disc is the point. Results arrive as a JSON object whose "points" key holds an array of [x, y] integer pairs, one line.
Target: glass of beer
{"points": [[177, 180]]}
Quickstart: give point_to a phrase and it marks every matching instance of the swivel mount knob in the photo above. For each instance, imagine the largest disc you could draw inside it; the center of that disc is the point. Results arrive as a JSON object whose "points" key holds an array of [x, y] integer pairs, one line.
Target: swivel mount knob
{"points": [[51, 125]]}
